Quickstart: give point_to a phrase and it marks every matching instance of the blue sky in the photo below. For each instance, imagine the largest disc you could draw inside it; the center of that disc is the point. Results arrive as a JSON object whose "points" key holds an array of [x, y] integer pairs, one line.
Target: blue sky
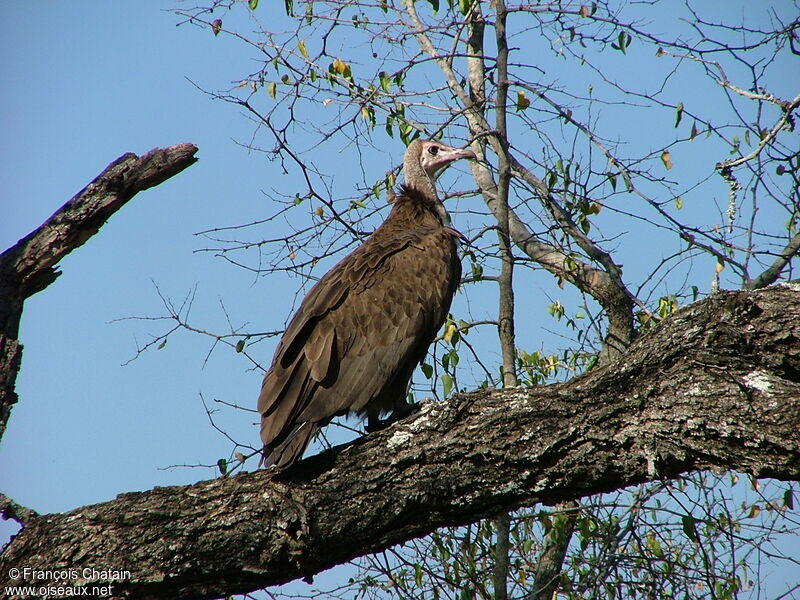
{"points": [[85, 82]]}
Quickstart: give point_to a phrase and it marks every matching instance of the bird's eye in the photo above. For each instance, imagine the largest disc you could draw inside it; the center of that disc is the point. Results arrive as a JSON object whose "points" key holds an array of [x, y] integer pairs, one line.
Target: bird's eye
{"points": [[433, 150]]}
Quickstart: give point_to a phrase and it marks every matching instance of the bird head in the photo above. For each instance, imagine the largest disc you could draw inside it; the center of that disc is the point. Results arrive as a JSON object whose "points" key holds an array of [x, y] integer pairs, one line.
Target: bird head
{"points": [[425, 160], [434, 157]]}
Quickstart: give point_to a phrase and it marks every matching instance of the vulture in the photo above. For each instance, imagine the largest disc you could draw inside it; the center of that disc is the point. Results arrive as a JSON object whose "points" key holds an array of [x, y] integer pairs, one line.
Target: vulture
{"points": [[363, 328]]}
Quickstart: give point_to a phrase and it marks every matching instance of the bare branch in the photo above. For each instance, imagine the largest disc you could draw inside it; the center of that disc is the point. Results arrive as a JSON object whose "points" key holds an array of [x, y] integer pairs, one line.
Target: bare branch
{"points": [[30, 265]]}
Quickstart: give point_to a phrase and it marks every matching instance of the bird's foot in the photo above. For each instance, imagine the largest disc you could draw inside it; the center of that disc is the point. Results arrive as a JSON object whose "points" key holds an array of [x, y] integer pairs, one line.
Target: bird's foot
{"points": [[401, 412]]}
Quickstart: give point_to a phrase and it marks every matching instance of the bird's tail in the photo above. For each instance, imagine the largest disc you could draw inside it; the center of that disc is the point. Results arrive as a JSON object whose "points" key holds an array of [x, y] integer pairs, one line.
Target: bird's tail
{"points": [[291, 449]]}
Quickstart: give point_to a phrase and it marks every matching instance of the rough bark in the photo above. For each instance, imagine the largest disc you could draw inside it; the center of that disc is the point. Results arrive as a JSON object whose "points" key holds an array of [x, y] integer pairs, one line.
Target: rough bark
{"points": [[715, 386], [30, 265]]}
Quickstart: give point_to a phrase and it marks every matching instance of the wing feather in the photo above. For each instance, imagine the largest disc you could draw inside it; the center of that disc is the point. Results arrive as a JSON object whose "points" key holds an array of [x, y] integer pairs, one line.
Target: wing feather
{"points": [[358, 335]]}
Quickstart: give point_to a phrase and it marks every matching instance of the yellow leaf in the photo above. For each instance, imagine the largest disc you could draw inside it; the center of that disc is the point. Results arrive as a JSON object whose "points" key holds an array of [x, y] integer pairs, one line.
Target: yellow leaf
{"points": [[448, 332], [666, 158], [720, 266], [302, 47], [319, 211], [271, 88], [522, 101], [365, 113], [340, 66], [679, 203], [292, 255]]}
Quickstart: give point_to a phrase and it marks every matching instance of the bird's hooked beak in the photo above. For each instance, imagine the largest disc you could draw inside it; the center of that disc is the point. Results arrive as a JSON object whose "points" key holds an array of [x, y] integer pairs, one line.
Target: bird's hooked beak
{"points": [[436, 157]]}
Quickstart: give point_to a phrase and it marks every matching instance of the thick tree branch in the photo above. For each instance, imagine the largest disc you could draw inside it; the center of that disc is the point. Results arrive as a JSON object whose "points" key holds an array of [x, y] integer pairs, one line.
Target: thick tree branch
{"points": [[770, 275], [30, 265], [714, 386], [11, 510], [554, 550], [32, 258]]}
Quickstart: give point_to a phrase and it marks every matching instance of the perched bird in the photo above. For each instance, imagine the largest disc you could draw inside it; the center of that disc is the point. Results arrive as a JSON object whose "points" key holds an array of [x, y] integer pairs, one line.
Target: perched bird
{"points": [[363, 328]]}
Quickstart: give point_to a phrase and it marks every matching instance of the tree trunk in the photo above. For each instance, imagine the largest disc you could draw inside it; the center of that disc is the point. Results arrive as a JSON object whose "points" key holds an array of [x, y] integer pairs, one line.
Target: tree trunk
{"points": [[30, 265], [715, 386]]}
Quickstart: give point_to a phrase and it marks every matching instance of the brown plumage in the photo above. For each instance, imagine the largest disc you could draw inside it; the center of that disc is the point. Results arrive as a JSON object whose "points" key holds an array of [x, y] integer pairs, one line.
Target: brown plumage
{"points": [[363, 328]]}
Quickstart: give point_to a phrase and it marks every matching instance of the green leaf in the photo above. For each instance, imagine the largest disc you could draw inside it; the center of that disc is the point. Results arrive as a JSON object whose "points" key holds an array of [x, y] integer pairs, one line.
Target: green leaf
{"points": [[222, 465], [678, 114], [627, 179], [434, 4], [240, 345], [427, 370], [623, 41], [447, 384], [477, 271], [301, 45], [454, 354], [386, 81], [687, 522], [162, 344], [253, 4], [788, 499], [406, 129]]}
